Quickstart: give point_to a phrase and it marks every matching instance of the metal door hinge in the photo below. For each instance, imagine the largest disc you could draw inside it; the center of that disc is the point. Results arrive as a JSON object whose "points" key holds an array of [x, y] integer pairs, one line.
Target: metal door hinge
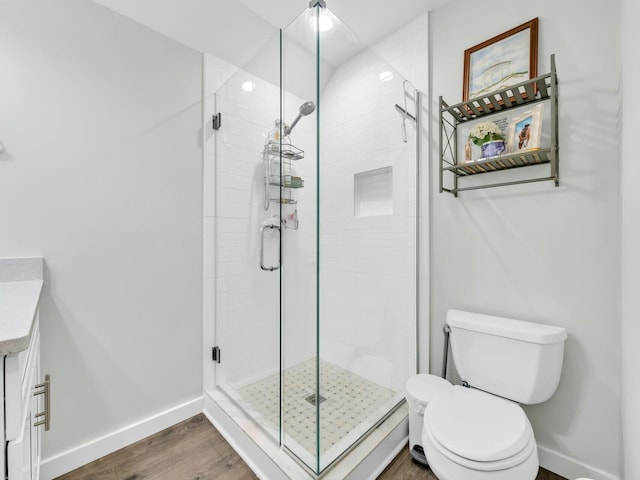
{"points": [[217, 121], [215, 354]]}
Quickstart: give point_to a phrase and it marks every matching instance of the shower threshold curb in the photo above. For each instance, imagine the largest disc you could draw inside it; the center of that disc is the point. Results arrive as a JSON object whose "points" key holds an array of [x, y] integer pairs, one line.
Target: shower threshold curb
{"points": [[270, 462]]}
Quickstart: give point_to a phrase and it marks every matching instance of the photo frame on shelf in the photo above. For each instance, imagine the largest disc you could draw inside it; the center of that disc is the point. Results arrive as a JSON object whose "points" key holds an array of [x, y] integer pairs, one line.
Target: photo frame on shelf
{"points": [[504, 60], [525, 130]]}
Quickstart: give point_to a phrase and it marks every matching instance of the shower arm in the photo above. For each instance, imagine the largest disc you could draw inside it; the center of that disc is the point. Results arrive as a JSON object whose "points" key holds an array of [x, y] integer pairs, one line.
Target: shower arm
{"points": [[287, 128], [305, 109]]}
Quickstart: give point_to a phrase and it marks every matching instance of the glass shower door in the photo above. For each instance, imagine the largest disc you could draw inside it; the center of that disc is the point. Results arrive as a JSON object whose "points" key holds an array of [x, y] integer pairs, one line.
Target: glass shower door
{"points": [[247, 238], [299, 245], [349, 269]]}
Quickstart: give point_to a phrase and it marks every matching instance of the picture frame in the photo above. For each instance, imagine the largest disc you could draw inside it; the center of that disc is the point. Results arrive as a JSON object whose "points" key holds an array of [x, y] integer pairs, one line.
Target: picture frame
{"points": [[501, 61], [525, 130]]}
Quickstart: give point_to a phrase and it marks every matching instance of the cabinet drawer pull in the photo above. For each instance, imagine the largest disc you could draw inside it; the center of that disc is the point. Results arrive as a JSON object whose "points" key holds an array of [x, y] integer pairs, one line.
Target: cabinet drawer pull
{"points": [[44, 389]]}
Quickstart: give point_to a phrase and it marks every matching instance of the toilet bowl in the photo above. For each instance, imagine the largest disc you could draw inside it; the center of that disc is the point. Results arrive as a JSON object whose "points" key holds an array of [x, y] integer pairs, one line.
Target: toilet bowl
{"points": [[473, 435], [479, 431]]}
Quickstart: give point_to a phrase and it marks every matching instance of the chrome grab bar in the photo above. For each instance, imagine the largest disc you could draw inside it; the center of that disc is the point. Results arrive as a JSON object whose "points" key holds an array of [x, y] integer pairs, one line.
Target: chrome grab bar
{"points": [[262, 265]]}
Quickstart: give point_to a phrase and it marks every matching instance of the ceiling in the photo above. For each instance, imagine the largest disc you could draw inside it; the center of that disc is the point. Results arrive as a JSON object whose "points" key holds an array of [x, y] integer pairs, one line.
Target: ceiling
{"points": [[371, 20], [235, 30]]}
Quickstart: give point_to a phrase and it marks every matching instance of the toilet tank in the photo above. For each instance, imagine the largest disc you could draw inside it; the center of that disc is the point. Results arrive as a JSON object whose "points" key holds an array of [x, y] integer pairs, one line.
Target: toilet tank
{"points": [[518, 360]]}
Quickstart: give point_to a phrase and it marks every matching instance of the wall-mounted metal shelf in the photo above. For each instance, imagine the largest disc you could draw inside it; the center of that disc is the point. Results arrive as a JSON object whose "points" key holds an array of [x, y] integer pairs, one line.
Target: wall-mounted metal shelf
{"points": [[287, 181], [278, 158], [286, 150], [542, 88]]}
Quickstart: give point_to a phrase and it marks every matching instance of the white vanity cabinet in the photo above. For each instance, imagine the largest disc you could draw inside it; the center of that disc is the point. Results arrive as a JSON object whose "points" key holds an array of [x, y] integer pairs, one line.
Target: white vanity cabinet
{"points": [[22, 429], [24, 391]]}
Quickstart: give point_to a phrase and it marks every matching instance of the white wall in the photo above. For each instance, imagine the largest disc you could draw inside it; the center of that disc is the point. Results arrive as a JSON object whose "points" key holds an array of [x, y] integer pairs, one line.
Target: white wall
{"points": [[229, 30], [536, 252], [630, 177], [102, 176]]}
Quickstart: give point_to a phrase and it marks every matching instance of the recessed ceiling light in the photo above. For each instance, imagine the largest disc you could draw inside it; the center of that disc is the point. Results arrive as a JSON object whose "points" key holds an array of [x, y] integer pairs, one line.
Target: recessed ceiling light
{"points": [[386, 76], [247, 86], [324, 20]]}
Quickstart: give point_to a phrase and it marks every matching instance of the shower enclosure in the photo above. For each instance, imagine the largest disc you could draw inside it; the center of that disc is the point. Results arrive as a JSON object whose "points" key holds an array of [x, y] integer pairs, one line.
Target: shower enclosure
{"points": [[315, 239]]}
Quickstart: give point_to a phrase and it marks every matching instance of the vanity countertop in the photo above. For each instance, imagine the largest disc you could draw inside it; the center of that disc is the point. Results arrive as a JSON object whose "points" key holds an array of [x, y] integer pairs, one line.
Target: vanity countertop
{"points": [[20, 287]]}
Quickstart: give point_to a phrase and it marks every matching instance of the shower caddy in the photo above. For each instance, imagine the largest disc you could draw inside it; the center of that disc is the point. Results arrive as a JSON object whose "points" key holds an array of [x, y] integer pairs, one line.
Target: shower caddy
{"points": [[544, 87], [278, 159]]}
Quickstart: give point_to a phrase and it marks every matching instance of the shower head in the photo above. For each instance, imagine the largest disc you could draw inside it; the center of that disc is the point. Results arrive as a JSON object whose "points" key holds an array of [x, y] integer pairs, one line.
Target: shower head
{"points": [[305, 109]]}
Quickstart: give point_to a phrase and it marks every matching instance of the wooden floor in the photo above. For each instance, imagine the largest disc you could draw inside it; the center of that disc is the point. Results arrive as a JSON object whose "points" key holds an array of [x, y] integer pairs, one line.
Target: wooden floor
{"points": [[194, 450], [191, 450]]}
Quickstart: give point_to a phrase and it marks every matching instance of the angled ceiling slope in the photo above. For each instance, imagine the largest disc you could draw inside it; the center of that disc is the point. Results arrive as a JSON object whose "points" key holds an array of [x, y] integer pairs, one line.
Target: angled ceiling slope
{"points": [[235, 30], [226, 29], [371, 20]]}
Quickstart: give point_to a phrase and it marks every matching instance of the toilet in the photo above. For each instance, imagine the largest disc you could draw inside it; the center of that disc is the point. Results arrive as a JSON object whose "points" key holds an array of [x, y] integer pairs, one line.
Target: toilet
{"points": [[478, 431]]}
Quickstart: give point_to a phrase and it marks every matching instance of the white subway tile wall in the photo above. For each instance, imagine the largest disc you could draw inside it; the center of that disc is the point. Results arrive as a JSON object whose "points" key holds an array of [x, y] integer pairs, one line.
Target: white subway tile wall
{"points": [[368, 264]]}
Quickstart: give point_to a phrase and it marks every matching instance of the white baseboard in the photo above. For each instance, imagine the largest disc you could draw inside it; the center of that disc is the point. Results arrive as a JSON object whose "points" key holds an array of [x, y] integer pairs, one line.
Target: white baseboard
{"points": [[64, 462], [570, 467]]}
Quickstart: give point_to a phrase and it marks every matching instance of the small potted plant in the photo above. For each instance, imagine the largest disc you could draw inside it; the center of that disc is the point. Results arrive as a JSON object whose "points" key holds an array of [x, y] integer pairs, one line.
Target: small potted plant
{"points": [[489, 137]]}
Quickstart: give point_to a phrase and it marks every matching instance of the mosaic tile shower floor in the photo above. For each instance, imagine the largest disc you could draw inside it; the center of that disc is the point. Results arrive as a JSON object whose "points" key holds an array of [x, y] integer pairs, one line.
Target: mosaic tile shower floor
{"points": [[352, 405]]}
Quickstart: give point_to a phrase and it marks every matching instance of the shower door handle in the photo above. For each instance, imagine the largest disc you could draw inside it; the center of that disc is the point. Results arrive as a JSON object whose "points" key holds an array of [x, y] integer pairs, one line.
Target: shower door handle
{"points": [[262, 265]]}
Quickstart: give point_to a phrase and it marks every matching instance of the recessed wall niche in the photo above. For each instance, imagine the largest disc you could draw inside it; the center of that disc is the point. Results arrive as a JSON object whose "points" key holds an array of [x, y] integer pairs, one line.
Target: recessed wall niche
{"points": [[373, 192]]}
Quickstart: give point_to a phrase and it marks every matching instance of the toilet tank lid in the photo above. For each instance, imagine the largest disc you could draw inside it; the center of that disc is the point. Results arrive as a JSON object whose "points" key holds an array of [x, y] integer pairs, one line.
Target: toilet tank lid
{"points": [[506, 327]]}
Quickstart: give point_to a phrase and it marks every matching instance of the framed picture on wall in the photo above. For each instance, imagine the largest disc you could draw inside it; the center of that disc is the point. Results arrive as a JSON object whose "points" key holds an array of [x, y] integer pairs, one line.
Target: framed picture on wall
{"points": [[501, 61], [524, 130]]}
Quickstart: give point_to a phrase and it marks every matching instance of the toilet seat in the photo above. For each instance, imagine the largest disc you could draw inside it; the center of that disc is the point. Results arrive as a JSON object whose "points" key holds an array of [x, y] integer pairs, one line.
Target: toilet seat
{"points": [[479, 431], [504, 464]]}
